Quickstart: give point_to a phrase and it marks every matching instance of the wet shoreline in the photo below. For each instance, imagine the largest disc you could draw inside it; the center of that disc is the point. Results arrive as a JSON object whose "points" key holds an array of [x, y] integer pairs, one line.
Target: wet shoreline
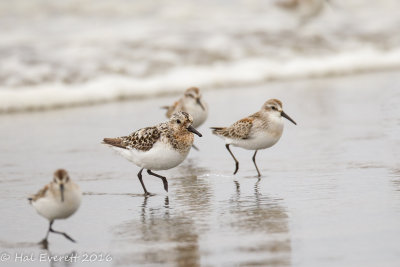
{"points": [[329, 187]]}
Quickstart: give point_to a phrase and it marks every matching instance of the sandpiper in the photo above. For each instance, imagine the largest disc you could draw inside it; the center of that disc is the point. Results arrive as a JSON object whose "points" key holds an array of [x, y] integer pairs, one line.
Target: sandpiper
{"points": [[257, 131], [57, 200], [192, 103], [160, 147]]}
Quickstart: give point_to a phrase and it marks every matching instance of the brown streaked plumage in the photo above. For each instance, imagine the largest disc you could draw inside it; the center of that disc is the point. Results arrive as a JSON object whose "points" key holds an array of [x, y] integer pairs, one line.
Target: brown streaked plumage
{"points": [[238, 130], [257, 131], [274, 100], [193, 89], [61, 174], [42, 192], [142, 139]]}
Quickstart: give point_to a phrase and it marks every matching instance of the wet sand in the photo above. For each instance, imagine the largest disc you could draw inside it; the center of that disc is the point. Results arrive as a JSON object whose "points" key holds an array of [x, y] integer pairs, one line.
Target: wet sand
{"points": [[329, 194]]}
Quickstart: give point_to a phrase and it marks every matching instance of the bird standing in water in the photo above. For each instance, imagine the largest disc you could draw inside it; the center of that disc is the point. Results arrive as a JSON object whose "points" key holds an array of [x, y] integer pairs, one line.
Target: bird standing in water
{"points": [[57, 200], [260, 130], [160, 147]]}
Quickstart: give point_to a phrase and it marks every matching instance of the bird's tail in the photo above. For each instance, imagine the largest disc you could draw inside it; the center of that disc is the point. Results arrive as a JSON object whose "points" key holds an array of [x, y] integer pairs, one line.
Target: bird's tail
{"points": [[217, 130], [117, 142]]}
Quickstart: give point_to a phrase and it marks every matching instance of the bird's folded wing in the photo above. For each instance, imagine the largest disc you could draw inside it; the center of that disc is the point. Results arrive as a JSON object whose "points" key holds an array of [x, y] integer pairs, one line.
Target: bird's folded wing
{"points": [[241, 129], [142, 139], [238, 130], [42, 192]]}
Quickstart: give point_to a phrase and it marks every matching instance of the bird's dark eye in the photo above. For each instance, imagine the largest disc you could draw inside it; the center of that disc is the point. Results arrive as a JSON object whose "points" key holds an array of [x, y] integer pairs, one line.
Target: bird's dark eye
{"points": [[178, 121], [274, 108]]}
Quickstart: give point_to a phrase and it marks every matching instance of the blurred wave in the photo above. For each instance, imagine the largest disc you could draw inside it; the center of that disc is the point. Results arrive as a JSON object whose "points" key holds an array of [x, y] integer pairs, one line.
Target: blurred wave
{"points": [[61, 53]]}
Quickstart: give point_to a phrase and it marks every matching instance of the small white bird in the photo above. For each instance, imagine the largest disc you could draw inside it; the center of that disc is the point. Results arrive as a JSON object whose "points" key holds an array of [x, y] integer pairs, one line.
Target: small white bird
{"points": [[160, 147], [57, 200], [192, 103], [258, 131]]}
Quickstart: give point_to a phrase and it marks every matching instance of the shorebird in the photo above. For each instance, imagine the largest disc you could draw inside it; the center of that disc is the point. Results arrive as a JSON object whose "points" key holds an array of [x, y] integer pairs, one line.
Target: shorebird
{"points": [[260, 130], [57, 200], [192, 103], [160, 147]]}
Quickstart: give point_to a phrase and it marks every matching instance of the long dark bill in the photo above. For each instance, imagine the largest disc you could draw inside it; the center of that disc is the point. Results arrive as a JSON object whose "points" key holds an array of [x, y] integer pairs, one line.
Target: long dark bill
{"points": [[193, 130], [62, 192], [199, 102], [287, 117]]}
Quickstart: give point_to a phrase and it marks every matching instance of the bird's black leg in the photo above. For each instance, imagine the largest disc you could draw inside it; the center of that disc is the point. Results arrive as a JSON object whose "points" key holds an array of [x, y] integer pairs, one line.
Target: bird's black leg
{"points": [[44, 242], [236, 162], [48, 231], [165, 182], [141, 181], [255, 164], [60, 233]]}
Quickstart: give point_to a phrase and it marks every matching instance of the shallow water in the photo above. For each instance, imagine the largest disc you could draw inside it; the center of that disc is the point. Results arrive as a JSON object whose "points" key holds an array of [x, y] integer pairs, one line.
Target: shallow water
{"points": [[329, 194]]}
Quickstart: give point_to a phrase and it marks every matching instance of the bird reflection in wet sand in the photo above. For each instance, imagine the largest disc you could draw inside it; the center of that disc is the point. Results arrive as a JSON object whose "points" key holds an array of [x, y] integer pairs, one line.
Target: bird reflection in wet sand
{"points": [[194, 192], [261, 215], [395, 173], [160, 237]]}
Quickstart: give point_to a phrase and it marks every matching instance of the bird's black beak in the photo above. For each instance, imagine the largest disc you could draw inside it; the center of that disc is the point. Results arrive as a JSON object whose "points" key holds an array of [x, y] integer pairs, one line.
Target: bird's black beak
{"points": [[199, 102], [193, 130], [62, 192], [287, 117]]}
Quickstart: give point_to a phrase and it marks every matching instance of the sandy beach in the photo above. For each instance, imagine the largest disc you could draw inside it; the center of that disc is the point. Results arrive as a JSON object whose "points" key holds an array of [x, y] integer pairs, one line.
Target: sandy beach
{"points": [[329, 194]]}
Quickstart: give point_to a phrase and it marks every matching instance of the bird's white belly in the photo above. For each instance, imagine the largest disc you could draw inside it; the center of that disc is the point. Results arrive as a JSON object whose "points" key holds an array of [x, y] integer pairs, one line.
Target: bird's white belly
{"points": [[160, 157], [199, 115], [53, 208], [260, 140]]}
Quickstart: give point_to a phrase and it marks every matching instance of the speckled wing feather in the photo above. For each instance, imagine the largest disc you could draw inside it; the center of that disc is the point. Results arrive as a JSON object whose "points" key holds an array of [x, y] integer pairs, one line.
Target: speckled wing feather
{"points": [[238, 130], [142, 139], [40, 194]]}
